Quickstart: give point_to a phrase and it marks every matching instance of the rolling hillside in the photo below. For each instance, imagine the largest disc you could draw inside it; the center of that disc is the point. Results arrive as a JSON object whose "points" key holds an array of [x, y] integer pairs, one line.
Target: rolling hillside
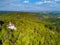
{"points": [[32, 29]]}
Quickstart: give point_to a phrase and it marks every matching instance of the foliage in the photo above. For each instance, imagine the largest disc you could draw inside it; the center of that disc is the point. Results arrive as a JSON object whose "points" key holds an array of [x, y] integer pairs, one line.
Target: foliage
{"points": [[31, 30]]}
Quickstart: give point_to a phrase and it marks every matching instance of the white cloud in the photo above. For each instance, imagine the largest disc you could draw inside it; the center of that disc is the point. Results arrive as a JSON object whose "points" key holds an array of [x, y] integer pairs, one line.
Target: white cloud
{"points": [[12, 4], [57, 0], [39, 3], [26, 1], [48, 1]]}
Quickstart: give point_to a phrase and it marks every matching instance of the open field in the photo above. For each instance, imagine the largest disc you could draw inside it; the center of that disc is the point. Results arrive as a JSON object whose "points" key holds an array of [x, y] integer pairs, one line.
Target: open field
{"points": [[31, 29]]}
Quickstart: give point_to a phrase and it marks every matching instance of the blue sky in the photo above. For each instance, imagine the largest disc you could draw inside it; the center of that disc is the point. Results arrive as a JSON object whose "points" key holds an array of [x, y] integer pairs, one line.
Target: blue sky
{"points": [[30, 5]]}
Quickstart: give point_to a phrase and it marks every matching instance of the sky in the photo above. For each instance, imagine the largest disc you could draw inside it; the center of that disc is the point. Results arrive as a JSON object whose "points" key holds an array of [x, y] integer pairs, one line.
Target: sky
{"points": [[30, 5]]}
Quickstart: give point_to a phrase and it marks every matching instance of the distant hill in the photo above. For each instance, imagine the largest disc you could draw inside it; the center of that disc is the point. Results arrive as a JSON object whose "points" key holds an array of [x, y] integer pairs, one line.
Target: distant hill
{"points": [[46, 12]]}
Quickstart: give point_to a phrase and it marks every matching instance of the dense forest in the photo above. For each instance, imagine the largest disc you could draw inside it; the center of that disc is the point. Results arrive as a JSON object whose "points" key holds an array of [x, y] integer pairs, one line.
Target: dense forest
{"points": [[31, 28]]}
